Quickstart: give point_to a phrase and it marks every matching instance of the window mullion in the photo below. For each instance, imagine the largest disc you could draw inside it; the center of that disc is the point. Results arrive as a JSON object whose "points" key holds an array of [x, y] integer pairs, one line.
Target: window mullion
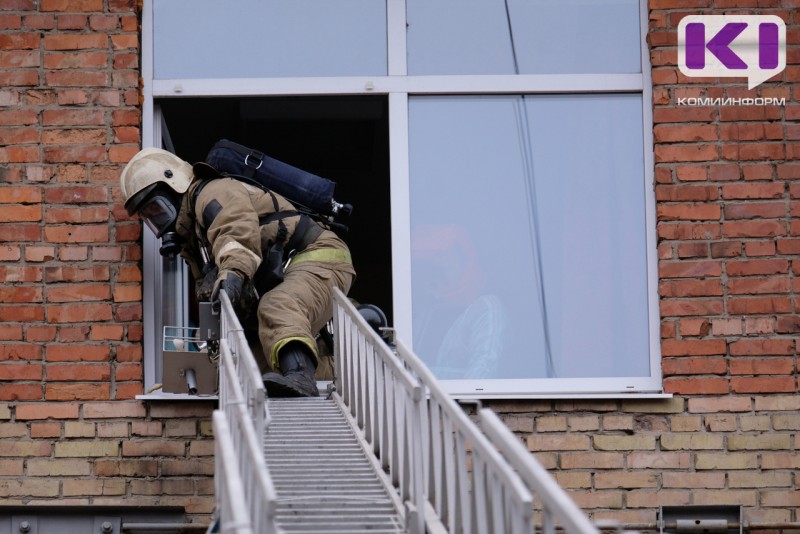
{"points": [[401, 213], [469, 84], [396, 37]]}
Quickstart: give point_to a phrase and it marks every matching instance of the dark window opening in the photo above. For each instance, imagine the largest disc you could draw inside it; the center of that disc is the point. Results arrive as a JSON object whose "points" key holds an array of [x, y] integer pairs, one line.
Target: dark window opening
{"points": [[343, 138]]}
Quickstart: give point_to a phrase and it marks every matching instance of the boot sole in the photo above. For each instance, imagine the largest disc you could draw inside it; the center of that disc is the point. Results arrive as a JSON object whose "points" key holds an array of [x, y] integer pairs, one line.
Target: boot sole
{"points": [[277, 390]]}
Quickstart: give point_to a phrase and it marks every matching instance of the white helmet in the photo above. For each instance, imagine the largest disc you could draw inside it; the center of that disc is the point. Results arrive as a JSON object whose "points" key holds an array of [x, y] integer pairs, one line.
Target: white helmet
{"points": [[147, 169]]}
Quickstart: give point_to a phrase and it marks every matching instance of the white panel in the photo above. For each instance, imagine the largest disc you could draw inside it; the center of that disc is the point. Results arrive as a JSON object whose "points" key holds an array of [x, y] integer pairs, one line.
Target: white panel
{"points": [[400, 205], [514, 84], [252, 38]]}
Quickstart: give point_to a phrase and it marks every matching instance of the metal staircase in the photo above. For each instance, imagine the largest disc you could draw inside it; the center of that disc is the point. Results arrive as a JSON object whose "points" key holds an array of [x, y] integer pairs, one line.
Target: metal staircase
{"points": [[324, 478], [387, 451]]}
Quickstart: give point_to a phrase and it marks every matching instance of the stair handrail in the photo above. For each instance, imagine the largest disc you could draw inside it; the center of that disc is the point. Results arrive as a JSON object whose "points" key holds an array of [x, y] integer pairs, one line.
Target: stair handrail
{"points": [[485, 499], [245, 364], [231, 513], [381, 398], [557, 505], [242, 434], [423, 439]]}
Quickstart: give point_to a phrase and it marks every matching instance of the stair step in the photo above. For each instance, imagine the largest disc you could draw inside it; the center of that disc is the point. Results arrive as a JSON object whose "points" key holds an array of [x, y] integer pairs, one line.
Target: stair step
{"points": [[325, 481]]}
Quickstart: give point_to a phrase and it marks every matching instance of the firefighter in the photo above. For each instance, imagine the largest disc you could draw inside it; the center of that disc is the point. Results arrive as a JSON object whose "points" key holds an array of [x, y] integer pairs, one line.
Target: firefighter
{"points": [[236, 238]]}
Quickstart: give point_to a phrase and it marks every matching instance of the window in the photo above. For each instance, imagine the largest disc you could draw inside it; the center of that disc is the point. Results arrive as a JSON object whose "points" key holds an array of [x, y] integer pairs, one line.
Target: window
{"points": [[519, 226], [552, 237]]}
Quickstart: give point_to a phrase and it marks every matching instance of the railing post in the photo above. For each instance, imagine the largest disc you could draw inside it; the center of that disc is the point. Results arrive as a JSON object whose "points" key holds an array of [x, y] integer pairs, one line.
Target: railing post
{"points": [[416, 519]]}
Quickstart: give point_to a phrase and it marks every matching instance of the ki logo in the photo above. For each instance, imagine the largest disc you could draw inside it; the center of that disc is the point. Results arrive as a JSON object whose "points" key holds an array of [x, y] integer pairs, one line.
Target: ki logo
{"points": [[726, 46]]}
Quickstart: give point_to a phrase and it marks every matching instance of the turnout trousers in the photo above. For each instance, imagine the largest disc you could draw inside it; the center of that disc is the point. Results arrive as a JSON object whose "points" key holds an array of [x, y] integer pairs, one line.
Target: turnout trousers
{"points": [[298, 308]]}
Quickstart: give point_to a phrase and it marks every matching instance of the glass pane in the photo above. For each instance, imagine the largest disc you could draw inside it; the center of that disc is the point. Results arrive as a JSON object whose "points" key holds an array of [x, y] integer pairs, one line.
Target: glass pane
{"points": [[576, 36], [268, 38], [523, 36], [528, 236], [458, 37]]}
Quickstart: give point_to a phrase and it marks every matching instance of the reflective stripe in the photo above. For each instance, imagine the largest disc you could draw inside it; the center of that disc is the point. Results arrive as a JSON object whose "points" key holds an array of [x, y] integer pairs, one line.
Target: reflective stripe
{"points": [[285, 341], [232, 248], [324, 254]]}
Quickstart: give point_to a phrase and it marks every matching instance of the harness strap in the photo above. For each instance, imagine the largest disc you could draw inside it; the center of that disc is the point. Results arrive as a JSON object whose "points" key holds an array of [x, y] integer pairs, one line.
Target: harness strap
{"points": [[195, 194], [276, 216], [252, 162], [282, 231], [307, 232]]}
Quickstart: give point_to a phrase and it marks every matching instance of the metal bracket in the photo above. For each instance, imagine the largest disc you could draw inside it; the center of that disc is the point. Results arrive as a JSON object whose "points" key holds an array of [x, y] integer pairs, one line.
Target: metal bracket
{"points": [[209, 322], [699, 519]]}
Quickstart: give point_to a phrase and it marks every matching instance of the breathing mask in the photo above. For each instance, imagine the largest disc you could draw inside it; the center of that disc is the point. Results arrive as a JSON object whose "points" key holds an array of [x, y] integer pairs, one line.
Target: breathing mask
{"points": [[159, 213]]}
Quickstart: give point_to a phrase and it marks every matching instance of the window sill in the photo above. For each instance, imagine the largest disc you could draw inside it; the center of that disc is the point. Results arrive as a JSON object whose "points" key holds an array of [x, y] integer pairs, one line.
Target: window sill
{"points": [[322, 385], [175, 397], [560, 396]]}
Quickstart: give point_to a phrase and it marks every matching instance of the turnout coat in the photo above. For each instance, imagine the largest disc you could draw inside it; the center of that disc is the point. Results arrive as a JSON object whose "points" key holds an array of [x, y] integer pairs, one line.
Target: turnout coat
{"points": [[232, 225]]}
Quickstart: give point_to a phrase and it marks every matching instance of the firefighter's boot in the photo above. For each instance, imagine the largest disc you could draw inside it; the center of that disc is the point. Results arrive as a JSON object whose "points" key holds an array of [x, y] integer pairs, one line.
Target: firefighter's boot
{"points": [[296, 378]]}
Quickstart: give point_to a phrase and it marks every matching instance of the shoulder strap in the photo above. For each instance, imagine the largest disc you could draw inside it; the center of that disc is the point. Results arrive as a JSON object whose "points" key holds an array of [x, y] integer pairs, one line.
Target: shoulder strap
{"points": [[193, 213], [280, 239], [196, 193], [247, 179]]}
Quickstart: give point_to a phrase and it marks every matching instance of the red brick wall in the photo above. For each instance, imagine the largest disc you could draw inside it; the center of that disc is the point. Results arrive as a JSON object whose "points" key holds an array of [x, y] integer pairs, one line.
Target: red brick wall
{"points": [[71, 430], [728, 193], [728, 207], [727, 187]]}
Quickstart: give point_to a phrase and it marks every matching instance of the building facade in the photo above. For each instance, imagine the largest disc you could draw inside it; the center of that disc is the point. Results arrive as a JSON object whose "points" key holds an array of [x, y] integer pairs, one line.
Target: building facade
{"points": [[712, 416]]}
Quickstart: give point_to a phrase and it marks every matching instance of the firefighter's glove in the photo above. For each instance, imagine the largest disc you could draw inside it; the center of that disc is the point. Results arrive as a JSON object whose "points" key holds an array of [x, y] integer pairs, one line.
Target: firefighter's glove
{"points": [[231, 283], [205, 286]]}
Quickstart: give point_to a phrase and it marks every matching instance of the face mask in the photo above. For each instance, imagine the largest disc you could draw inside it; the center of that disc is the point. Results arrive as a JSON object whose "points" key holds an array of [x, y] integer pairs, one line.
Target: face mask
{"points": [[159, 213]]}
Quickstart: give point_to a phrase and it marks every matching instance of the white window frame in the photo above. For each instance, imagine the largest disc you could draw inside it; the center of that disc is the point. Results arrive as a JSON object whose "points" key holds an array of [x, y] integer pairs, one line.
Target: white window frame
{"points": [[398, 87]]}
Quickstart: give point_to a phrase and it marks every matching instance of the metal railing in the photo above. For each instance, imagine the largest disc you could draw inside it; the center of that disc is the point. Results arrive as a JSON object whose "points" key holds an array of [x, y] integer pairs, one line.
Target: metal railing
{"points": [[556, 504], [250, 493], [385, 401], [232, 516], [233, 340], [451, 476]]}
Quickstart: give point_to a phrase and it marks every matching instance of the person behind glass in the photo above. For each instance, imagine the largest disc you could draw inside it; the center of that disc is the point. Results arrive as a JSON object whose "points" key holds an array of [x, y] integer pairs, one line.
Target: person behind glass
{"points": [[459, 325], [236, 238]]}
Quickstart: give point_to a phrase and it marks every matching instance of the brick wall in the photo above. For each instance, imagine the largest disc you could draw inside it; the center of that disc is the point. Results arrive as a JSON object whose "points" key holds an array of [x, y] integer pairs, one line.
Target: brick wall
{"points": [[70, 273], [727, 185], [622, 459], [728, 209]]}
